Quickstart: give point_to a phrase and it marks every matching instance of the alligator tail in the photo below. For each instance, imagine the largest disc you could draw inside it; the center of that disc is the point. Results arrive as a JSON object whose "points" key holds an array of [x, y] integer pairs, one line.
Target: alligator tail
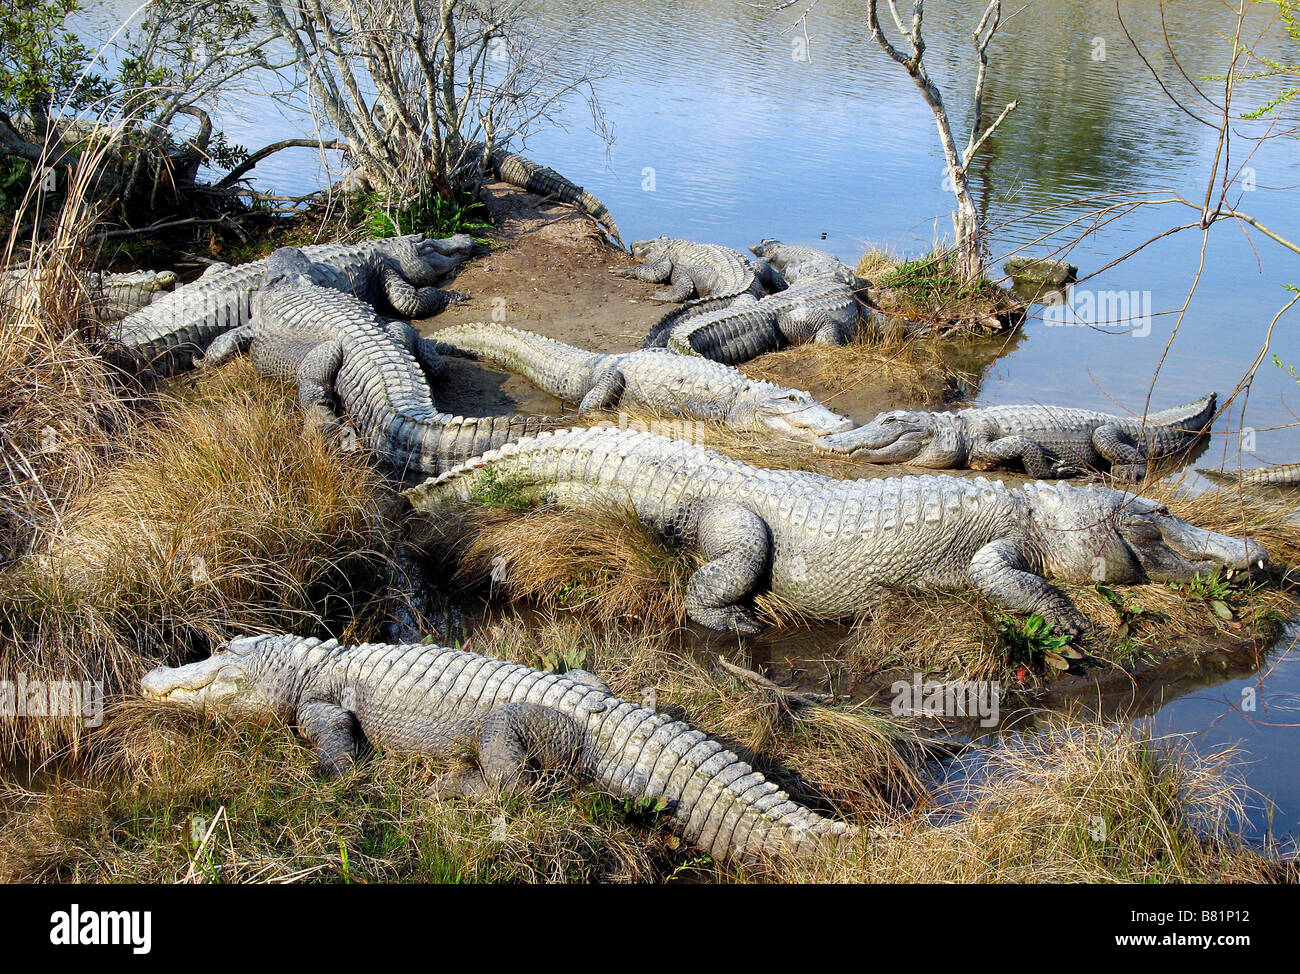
{"points": [[721, 804], [544, 181], [1192, 417], [445, 442], [597, 210], [657, 337]]}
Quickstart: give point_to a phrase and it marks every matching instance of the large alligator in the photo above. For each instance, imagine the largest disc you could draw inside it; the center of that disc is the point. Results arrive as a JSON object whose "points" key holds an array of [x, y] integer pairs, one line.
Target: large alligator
{"points": [[795, 263], [335, 347], [167, 335], [428, 699], [704, 276], [512, 168], [650, 379], [1283, 475], [819, 309], [1048, 441], [832, 548]]}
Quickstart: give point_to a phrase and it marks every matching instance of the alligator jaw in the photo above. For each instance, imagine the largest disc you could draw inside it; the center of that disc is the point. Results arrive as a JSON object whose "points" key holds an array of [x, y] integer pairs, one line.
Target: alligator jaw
{"points": [[1184, 551], [1206, 550], [874, 443], [182, 684]]}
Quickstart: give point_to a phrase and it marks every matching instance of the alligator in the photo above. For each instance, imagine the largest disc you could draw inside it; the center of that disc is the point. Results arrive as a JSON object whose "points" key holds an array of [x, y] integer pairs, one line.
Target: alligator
{"points": [[831, 548], [1283, 475], [795, 263], [115, 294], [334, 346], [430, 699], [166, 336], [653, 379], [1047, 441], [509, 167], [822, 309], [704, 276]]}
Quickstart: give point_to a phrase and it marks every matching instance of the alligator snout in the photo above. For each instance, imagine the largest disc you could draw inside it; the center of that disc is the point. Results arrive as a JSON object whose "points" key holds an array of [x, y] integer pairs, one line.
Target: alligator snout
{"points": [[891, 442]]}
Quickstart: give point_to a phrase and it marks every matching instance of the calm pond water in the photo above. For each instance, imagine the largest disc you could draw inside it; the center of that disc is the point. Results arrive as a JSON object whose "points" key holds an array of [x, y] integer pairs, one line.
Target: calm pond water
{"points": [[744, 140]]}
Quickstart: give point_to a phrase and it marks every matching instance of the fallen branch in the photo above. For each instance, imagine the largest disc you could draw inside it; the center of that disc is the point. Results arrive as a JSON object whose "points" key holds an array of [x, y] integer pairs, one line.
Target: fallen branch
{"points": [[271, 149], [170, 224], [785, 693]]}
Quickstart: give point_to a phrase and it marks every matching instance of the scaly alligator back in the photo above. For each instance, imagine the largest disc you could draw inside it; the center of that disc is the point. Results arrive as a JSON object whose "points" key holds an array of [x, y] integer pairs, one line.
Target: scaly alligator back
{"points": [[379, 383]]}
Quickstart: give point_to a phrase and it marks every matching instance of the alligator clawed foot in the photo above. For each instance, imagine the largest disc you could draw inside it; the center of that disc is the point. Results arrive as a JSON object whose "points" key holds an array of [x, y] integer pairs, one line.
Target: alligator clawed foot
{"points": [[1076, 626], [731, 618], [466, 783], [1129, 473]]}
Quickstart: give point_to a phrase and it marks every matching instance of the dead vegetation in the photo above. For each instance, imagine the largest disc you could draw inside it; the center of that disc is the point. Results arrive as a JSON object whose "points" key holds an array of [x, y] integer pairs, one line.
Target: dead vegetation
{"points": [[218, 515], [913, 367], [60, 404], [1078, 803]]}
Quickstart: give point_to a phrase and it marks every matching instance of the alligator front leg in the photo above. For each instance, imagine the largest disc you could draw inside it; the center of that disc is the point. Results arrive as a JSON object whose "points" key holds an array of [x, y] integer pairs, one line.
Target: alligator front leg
{"points": [[412, 302], [515, 738], [656, 273], [1125, 457], [333, 732], [605, 393], [737, 545], [1000, 571], [425, 350], [1031, 455], [683, 288], [316, 374], [226, 346]]}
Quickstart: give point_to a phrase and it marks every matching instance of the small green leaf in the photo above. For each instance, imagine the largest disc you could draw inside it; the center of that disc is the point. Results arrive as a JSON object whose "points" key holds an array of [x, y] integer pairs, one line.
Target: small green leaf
{"points": [[1221, 609]]}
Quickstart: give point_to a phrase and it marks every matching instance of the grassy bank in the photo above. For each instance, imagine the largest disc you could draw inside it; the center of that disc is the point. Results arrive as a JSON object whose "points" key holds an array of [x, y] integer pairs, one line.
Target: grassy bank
{"points": [[172, 796], [144, 528], [213, 513], [928, 294]]}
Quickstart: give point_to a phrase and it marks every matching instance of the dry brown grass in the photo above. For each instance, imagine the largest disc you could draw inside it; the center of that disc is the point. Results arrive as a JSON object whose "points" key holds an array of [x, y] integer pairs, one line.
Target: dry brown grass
{"points": [[1077, 803], [875, 263], [605, 566], [221, 516], [912, 368], [60, 405], [174, 796]]}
